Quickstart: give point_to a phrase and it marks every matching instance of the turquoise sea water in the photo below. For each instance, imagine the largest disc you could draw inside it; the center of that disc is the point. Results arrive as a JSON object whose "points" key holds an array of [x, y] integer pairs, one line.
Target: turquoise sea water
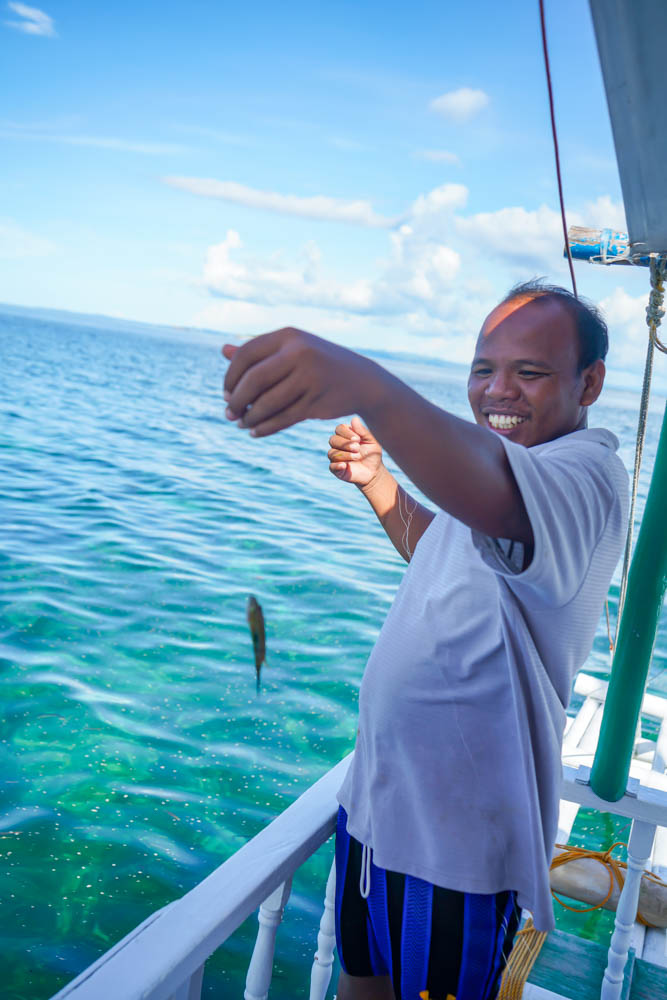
{"points": [[136, 755]]}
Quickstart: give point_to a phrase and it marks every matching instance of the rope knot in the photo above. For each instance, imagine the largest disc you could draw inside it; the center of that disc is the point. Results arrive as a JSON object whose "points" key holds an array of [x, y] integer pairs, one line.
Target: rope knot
{"points": [[654, 310]]}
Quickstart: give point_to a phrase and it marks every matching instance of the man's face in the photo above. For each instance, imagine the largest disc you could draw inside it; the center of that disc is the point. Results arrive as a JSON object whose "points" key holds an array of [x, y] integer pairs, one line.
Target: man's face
{"points": [[524, 382]]}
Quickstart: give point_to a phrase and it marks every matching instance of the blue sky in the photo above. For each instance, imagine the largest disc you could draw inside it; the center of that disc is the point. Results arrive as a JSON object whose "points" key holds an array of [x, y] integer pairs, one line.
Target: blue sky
{"points": [[377, 173]]}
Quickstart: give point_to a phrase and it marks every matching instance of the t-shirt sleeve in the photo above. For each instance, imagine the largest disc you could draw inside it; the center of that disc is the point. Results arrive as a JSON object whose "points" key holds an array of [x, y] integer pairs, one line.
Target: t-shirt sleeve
{"points": [[570, 492]]}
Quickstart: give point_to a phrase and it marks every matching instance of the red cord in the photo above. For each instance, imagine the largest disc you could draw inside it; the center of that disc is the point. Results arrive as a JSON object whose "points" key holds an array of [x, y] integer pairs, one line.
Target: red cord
{"points": [[556, 153]]}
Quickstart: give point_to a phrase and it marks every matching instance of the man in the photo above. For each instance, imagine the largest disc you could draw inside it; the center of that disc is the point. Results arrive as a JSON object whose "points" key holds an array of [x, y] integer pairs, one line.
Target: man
{"points": [[449, 810]]}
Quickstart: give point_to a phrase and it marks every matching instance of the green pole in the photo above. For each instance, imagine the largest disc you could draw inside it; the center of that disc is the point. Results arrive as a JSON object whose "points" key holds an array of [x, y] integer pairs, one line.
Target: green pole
{"points": [[647, 581]]}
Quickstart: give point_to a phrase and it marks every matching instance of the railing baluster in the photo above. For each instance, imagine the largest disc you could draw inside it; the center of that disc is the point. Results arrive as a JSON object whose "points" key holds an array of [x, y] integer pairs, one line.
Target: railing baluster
{"points": [[326, 942], [260, 969], [639, 851], [191, 988]]}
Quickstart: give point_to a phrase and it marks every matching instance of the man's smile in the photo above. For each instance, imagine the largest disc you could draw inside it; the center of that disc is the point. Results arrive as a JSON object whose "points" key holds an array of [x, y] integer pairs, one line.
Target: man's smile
{"points": [[504, 421]]}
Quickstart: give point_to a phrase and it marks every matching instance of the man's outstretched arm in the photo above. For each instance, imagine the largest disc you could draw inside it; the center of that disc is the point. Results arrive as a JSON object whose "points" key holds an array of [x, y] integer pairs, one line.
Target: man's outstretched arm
{"points": [[281, 378]]}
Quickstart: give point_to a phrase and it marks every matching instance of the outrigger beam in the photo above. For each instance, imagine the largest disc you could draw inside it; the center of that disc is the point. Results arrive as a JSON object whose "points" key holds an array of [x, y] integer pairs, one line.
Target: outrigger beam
{"points": [[603, 246]]}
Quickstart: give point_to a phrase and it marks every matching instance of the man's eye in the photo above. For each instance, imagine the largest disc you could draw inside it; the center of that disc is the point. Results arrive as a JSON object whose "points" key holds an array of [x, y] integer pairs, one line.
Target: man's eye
{"points": [[481, 371], [529, 373]]}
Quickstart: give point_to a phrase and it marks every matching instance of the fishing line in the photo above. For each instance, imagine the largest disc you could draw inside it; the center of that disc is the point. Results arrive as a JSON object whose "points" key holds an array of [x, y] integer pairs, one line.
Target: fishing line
{"points": [[405, 540], [556, 152]]}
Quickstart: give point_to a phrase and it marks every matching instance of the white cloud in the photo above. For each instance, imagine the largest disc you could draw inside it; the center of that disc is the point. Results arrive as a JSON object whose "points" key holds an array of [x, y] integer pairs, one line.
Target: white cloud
{"points": [[58, 123], [452, 339], [231, 315], [414, 332], [460, 105], [442, 273], [423, 280], [96, 141], [522, 240], [438, 156], [123, 145], [229, 138], [250, 318], [17, 242], [603, 213], [316, 207], [277, 282], [426, 277], [34, 21], [628, 332], [627, 310], [628, 338], [422, 269], [418, 276], [532, 240], [445, 198]]}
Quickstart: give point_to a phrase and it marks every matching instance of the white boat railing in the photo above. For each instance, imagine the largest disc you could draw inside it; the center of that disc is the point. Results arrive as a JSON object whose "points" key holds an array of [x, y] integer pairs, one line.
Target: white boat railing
{"points": [[164, 957]]}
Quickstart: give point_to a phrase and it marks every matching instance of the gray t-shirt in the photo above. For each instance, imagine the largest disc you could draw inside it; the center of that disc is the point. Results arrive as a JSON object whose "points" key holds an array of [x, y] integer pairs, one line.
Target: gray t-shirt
{"points": [[457, 769]]}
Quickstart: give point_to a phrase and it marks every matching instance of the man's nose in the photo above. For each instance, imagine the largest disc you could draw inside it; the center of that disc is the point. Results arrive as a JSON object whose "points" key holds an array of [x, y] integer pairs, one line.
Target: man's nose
{"points": [[502, 385]]}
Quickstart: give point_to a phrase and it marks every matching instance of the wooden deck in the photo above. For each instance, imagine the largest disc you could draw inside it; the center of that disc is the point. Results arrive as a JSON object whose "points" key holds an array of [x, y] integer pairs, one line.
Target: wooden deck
{"points": [[570, 967]]}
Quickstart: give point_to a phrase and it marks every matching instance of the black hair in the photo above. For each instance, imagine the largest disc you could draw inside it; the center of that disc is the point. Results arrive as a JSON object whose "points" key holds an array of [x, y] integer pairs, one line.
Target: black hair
{"points": [[588, 320]]}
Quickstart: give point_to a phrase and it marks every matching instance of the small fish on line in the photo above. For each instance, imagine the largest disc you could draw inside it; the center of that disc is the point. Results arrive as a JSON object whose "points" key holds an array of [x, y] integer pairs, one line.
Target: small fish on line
{"points": [[256, 623]]}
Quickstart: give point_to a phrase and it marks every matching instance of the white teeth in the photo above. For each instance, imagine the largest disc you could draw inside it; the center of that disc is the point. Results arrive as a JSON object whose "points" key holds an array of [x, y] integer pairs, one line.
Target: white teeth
{"points": [[503, 420]]}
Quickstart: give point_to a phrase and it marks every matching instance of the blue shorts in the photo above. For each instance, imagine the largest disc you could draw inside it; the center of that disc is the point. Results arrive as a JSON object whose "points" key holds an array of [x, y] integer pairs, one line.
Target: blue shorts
{"points": [[426, 938]]}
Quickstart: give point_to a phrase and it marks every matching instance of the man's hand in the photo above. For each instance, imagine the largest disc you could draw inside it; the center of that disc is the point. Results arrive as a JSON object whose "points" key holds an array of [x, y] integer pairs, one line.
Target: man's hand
{"points": [[280, 378], [354, 454]]}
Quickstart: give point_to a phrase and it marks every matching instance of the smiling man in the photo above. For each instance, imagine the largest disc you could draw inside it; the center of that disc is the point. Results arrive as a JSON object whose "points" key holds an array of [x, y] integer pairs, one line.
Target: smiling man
{"points": [[530, 371], [449, 810]]}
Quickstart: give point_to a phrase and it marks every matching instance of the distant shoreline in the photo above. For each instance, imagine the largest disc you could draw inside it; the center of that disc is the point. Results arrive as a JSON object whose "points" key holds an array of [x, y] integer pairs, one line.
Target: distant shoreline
{"points": [[616, 378]]}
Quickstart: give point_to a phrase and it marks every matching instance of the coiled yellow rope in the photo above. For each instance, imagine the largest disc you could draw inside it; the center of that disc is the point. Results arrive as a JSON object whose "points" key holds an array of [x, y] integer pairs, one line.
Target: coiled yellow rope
{"points": [[616, 871], [529, 941], [522, 958]]}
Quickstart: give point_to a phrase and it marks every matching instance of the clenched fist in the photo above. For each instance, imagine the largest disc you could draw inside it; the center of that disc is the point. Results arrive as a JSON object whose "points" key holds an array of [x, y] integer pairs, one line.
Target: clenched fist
{"points": [[354, 454]]}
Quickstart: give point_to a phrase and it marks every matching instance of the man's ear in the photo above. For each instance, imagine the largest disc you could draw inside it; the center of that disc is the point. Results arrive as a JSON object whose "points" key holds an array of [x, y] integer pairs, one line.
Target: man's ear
{"points": [[593, 377]]}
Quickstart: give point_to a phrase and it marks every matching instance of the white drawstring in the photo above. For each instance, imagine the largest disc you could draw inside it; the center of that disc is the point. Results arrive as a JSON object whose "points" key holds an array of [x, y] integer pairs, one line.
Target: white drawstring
{"points": [[365, 877]]}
